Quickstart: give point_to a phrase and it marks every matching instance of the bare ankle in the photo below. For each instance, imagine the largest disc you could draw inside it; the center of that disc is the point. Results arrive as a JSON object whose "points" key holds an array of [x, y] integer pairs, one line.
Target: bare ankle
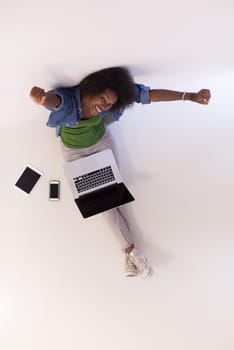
{"points": [[129, 249]]}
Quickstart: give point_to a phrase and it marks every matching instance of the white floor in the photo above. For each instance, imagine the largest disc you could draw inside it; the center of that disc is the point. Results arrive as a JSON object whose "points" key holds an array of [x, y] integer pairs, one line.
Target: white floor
{"points": [[62, 284]]}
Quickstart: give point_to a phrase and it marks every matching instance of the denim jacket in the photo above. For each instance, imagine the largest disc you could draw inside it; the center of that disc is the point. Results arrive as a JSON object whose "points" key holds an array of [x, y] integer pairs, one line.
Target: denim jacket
{"points": [[69, 112]]}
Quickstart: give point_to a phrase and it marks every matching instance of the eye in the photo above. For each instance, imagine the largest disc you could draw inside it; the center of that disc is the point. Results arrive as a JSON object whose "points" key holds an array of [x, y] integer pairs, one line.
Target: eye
{"points": [[105, 102]]}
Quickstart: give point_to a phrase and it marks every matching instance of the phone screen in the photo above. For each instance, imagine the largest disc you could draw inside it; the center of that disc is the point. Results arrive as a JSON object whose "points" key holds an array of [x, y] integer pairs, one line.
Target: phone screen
{"points": [[28, 179], [54, 190]]}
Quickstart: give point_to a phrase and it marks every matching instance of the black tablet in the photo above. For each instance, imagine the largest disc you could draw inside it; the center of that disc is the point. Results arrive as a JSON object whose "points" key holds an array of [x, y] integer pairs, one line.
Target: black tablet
{"points": [[28, 179]]}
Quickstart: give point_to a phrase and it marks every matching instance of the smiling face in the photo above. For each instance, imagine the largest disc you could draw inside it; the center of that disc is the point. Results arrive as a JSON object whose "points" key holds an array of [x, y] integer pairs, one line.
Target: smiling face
{"points": [[93, 105]]}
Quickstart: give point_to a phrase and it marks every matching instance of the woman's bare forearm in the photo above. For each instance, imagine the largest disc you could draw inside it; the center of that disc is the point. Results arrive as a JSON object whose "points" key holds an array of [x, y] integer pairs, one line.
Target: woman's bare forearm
{"points": [[161, 95]]}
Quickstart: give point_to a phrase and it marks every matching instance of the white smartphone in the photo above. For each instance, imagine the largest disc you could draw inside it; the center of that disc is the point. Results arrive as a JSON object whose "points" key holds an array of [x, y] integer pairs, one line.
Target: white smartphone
{"points": [[54, 190], [28, 179]]}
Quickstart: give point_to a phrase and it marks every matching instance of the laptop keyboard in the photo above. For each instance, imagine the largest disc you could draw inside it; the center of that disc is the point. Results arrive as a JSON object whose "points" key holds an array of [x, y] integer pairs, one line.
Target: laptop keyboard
{"points": [[94, 179]]}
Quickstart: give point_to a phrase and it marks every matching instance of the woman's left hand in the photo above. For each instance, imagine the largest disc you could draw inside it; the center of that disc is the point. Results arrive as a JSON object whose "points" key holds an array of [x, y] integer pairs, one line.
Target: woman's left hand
{"points": [[202, 96]]}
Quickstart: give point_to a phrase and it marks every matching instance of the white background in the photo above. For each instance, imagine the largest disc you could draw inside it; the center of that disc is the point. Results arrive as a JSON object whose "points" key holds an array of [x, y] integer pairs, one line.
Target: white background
{"points": [[61, 277]]}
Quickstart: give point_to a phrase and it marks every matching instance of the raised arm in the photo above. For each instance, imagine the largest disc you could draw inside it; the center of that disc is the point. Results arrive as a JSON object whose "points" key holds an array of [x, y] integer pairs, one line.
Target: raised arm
{"points": [[46, 99], [202, 96]]}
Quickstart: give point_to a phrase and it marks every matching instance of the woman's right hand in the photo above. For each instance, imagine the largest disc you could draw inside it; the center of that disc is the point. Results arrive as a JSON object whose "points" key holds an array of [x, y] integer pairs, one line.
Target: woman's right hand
{"points": [[38, 95]]}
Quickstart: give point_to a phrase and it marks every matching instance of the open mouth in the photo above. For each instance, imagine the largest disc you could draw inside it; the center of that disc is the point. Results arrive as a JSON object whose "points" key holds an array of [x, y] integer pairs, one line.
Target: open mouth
{"points": [[98, 109]]}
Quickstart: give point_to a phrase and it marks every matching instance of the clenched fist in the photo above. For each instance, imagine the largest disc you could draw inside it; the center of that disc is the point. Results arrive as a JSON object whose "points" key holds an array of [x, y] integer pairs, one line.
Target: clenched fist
{"points": [[38, 95], [202, 96], [47, 99]]}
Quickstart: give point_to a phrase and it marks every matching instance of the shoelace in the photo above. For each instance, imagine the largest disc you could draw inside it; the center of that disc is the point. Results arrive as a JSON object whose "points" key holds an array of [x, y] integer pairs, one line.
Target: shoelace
{"points": [[129, 262], [139, 261]]}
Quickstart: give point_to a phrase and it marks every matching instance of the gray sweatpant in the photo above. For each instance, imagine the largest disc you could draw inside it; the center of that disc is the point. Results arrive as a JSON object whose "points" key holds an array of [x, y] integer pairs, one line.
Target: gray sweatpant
{"points": [[116, 217]]}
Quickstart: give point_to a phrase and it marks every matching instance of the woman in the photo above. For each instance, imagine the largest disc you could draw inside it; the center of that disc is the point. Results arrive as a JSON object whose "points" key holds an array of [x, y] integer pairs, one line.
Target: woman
{"points": [[77, 113]]}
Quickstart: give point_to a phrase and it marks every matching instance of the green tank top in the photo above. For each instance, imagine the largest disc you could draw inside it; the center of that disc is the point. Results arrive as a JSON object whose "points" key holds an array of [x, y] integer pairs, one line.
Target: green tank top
{"points": [[85, 134]]}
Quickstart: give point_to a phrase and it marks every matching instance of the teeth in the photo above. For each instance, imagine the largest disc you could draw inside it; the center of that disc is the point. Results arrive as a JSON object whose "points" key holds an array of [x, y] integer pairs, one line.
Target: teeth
{"points": [[99, 110]]}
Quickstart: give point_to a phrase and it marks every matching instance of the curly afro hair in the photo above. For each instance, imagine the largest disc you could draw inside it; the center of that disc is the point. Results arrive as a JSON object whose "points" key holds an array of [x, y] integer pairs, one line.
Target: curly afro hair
{"points": [[117, 79]]}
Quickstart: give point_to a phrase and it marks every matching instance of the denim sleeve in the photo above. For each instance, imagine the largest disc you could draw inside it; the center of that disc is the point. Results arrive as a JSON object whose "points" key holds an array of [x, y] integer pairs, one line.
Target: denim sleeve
{"points": [[142, 94], [65, 98], [115, 115]]}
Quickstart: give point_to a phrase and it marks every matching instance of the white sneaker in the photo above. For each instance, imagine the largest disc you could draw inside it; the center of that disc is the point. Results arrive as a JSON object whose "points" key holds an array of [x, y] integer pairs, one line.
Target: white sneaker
{"points": [[141, 263], [130, 268]]}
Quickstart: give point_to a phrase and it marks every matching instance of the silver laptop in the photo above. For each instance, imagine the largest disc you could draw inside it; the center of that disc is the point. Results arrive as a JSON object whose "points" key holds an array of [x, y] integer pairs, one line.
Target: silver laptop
{"points": [[96, 183]]}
